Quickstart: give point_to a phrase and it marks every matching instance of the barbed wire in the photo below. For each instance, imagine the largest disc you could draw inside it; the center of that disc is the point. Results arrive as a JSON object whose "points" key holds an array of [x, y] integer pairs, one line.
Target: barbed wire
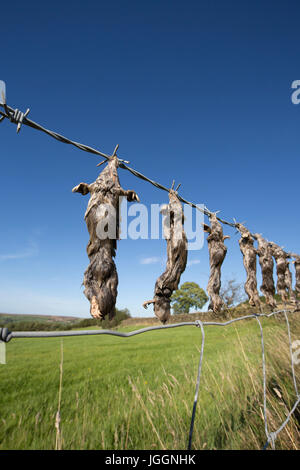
{"points": [[6, 336], [15, 116], [291, 353], [200, 325]]}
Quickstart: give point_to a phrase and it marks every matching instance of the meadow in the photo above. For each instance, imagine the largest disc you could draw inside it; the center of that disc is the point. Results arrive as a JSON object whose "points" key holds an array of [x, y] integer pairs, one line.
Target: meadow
{"points": [[138, 392]]}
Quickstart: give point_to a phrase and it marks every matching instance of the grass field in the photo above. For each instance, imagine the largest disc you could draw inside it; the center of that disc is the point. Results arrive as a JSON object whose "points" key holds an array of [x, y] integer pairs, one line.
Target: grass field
{"points": [[138, 392]]}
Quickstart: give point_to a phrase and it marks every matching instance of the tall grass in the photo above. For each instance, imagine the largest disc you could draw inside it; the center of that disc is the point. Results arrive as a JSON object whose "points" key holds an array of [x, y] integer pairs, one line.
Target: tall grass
{"points": [[137, 393]]}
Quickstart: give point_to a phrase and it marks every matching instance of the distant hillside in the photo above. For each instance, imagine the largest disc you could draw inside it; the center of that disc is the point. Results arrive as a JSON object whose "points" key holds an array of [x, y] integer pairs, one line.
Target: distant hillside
{"points": [[16, 317], [21, 322]]}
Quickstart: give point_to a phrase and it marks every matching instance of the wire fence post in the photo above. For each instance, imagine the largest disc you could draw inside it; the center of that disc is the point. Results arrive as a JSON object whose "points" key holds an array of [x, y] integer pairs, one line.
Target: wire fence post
{"points": [[291, 353], [2, 352], [199, 324]]}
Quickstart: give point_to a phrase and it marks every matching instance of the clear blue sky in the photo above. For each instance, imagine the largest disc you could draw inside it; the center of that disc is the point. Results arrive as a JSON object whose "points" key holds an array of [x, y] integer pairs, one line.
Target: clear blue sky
{"points": [[195, 91]]}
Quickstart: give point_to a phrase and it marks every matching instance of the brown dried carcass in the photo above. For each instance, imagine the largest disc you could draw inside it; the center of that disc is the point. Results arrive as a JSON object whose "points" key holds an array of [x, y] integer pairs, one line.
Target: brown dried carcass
{"points": [[281, 266], [284, 277], [289, 284], [176, 259], [246, 243], [267, 267], [296, 263], [101, 278], [217, 252]]}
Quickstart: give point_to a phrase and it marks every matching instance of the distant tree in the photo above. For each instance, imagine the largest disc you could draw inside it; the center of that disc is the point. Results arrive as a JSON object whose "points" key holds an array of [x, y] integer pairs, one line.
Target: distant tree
{"points": [[189, 295], [120, 315], [232, 293]]}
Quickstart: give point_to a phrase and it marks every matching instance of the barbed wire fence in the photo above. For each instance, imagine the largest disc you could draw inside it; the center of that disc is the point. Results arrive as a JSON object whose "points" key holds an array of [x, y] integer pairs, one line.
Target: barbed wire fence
{"points": [[17, 117], [6, 336]]}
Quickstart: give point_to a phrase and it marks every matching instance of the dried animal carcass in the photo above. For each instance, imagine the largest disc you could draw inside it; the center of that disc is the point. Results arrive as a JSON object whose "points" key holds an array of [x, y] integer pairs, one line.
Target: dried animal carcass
{"points": [[101, 278], [176, 261], [296, 263], [249, 257], [284, 277], [281, 266], [267, 266], [217, 252], [289, 284]]}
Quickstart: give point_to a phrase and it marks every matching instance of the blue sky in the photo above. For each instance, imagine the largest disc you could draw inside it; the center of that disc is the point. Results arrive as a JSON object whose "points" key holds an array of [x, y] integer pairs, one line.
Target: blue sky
{"points": [[199, 92]]}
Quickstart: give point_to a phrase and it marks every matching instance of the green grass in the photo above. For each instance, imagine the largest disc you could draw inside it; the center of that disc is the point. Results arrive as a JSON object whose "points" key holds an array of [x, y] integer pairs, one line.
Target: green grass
{"points": [[138, 392]]}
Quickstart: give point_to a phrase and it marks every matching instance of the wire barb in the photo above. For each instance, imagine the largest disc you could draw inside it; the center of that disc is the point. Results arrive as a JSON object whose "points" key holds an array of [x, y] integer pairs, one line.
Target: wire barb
{"points": [[5, 335], [14, 115]]}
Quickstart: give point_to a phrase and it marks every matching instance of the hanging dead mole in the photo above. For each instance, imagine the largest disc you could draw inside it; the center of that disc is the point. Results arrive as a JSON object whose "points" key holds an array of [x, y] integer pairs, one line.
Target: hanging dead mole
{"points": [[101, 278], [289, 284], [281, 265], [217, 252], [284, 276], [177, 258], [267, 266], [296, 263], [249, 257]]}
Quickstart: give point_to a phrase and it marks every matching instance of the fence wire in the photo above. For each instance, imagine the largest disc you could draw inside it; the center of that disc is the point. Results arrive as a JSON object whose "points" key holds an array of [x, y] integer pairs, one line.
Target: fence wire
{"points": [[15, 116], [6, 336]]}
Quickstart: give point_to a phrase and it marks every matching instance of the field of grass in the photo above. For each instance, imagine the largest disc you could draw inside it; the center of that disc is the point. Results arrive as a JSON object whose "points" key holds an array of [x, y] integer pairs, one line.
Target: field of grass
{"points": [[138, 392]]}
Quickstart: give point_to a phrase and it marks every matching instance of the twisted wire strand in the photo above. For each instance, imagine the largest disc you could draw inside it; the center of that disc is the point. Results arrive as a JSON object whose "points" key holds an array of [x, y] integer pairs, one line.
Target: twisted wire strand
{"points": [[270, 437], [86, 148], [6, 335], [13, 115], [200, 324], [291, 353], [55, 135]]}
